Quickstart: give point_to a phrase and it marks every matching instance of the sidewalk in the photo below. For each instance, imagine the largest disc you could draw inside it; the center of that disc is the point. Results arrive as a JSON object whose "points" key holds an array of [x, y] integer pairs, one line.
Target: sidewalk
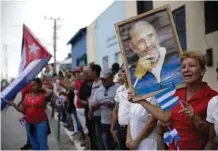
{"points": [[63, 140]]}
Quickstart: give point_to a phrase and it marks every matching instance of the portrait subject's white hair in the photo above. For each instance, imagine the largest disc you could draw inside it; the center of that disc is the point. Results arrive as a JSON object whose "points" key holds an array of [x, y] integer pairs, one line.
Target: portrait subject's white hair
{"points": [[139, 27], [141, 23]]}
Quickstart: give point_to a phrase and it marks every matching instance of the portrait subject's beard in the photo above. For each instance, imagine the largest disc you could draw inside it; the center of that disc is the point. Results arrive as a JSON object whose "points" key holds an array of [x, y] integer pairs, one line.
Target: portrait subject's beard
{"points": [[155, 58], [151, 54]]}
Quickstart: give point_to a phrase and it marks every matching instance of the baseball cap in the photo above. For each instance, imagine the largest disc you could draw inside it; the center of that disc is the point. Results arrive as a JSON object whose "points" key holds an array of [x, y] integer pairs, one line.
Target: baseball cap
{"points": [[106, 74]]}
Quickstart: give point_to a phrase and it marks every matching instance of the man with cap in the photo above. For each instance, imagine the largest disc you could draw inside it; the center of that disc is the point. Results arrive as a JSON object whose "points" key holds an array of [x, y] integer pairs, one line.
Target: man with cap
{"points": [[105, 101]]}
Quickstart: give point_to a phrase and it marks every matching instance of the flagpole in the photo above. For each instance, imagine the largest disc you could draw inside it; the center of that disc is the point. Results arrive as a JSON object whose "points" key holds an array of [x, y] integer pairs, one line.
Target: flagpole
{"points": [[181, 104], [4, 99]]}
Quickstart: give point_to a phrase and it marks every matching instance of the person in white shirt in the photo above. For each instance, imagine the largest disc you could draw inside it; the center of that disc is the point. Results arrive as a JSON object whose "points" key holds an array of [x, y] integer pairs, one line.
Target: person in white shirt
{"points": [[121, 112], [212, 118], [141, 132], [105, 101]]}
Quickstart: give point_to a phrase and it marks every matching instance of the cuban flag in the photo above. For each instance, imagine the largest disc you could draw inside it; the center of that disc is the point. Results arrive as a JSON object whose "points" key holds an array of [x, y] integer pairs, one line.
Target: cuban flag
{"points": [[34, 57], [166, 99], [171, 136]]}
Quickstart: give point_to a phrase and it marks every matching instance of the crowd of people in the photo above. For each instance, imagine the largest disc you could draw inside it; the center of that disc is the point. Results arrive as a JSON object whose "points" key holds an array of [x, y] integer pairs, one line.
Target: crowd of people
{"points": [[98, 107]]}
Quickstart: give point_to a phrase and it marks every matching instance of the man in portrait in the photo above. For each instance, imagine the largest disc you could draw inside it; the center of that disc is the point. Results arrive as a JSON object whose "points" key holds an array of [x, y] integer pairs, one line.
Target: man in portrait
{"points": [[153, 69]]}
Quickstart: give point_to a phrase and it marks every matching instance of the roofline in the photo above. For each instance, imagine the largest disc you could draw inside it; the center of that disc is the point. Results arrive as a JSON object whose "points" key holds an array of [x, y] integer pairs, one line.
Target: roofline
{"points": [[77, 35]]}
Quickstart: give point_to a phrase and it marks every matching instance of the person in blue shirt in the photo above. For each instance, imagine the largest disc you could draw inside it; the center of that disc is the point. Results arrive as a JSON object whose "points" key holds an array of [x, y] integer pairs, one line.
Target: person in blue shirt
{"points": [[155, 68]]}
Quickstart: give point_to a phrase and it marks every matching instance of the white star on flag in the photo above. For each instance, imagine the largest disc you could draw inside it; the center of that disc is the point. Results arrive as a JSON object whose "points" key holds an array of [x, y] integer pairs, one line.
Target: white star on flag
{"points": [[33, 48]]}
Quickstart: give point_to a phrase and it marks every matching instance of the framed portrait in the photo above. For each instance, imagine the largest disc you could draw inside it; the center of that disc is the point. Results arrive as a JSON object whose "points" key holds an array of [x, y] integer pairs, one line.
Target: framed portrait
{"points": [[151, 51]]}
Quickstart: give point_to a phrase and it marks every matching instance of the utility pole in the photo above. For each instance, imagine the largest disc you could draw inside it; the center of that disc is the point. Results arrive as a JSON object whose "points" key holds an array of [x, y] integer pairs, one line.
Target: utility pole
{"points": [[54, 38], [4, 57], [6, 61]]}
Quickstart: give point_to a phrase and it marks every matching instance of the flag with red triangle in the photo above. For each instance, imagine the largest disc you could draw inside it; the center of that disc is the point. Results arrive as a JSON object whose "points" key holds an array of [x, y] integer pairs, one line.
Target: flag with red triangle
{"points": [[34, 57]]}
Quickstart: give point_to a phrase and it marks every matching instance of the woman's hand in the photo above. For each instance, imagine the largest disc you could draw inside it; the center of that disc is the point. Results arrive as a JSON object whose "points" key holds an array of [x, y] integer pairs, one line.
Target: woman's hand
{"points": [[165, 124], [162, 127], [133, 144], [188, 110], [130, 96], [90, 114], [107, 103], [11, 103], [114, 135], [18, 108], [127, 143]]}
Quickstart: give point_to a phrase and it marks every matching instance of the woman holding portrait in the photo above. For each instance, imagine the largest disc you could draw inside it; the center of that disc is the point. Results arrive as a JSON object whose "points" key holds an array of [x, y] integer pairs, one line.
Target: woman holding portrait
{"points": [[188, 117]]}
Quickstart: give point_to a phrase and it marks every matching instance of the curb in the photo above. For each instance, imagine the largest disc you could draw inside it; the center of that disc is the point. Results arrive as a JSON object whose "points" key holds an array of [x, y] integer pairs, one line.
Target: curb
{"points": [[69, 133]]}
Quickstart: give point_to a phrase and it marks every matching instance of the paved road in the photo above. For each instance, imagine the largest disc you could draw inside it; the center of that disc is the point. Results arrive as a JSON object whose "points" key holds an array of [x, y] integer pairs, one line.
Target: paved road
{"points": [[13, 135]]}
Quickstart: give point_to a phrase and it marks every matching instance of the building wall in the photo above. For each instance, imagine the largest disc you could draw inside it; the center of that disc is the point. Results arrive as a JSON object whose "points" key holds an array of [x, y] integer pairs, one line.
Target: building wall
{"points": [[195, 32], [101, 35], [78, 49], [130, 9], [91, 43], [106, 41]]}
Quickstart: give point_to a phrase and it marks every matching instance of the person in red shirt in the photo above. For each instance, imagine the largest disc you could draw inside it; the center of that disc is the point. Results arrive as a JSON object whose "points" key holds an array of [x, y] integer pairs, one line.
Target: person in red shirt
{"points": [[24, 91], [34, 108], [80, 108], [188, 118]]}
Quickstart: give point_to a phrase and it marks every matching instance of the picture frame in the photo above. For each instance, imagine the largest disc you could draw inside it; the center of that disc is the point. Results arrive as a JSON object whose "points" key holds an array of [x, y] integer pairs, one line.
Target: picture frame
{"points": [[151, 51]]}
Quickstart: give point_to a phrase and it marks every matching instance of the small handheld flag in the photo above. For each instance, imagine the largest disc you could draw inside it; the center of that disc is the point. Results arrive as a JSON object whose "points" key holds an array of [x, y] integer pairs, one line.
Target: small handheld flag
{"points": [[170, 136], [59, 101], [166, 100]]}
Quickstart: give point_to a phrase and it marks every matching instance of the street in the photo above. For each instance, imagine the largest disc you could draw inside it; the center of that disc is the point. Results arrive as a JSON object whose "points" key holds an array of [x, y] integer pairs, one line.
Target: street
{"points": [[13, 135]]}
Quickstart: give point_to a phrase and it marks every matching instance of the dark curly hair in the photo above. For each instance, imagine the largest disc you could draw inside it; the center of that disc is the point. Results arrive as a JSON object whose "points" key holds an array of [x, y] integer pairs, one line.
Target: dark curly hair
{"points": [[96, 68], [38, 81]]}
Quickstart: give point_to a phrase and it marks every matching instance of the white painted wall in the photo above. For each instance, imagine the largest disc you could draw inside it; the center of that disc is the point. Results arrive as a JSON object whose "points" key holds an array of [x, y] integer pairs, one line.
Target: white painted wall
{"points": [[91, 44], [195, 31], [130, 11]]}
